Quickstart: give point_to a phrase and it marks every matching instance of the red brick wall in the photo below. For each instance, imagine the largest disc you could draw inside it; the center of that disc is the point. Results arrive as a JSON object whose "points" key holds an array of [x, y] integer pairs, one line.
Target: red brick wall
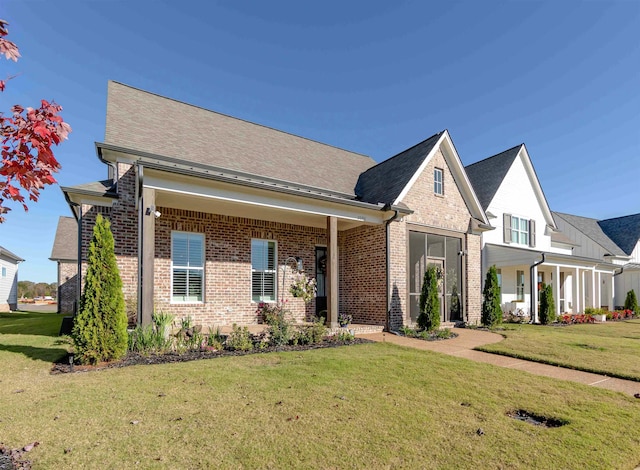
{"points": [[362, 274], [228, 264], [448, 212]]}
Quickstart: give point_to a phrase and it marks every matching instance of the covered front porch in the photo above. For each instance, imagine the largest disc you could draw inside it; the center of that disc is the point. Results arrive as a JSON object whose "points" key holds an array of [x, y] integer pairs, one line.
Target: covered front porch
{"points": [[577, 283]]}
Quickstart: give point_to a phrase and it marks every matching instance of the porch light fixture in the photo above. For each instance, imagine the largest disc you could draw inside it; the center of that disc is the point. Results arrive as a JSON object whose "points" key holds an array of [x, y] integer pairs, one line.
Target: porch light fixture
{"points": [[152, 210]]}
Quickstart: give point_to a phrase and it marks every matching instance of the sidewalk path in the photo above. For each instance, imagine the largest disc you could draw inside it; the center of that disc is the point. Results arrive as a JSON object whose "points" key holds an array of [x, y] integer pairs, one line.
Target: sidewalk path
{"points": [[467, 339]]}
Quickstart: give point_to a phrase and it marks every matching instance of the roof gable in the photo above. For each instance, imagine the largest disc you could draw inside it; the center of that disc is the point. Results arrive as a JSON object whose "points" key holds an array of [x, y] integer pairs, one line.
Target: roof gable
{"points": [[65, 244], [7, 254], [591, 229], [146, 122], [487, 176], [385, 182], [624, 231]]}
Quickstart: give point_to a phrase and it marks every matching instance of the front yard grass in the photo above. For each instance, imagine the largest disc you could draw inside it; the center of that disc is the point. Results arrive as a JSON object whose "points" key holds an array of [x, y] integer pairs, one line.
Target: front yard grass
{"points": [[363, 406], [611, 348]]}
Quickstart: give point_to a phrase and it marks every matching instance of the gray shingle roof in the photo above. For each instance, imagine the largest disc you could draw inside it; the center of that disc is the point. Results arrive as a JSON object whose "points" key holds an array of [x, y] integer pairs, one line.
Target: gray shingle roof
{"points": [[624, 231], [65, 244], [143, 121], [8, 254], [385, 181], [592, 229], [487, 175], [99, 188]]}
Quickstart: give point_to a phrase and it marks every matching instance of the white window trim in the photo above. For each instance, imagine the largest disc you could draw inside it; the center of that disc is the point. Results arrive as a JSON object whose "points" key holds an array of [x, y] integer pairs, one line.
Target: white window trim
{"points": [[519, 231], [441, 182], [204, 283], [275, 271]]}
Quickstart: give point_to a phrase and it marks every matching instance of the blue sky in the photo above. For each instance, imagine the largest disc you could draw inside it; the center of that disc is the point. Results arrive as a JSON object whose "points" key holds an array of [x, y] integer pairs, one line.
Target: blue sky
{"points": [[372, 77]]}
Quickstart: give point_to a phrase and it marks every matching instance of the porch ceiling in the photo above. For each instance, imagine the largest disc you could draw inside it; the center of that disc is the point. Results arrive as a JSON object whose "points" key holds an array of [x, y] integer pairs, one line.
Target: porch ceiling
{"points": [[182, 192]]}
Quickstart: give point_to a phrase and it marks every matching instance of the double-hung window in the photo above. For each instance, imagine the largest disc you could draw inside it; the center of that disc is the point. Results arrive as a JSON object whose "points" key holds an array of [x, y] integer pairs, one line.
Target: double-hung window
{"points": [[187, 267], [520, 286], [438, 183], [519, 230], [263, 270]]}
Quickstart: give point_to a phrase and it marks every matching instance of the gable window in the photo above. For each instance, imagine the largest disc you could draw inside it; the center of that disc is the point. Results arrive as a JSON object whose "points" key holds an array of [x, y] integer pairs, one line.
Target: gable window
{"points": [[263, 270], [520, 286], [438, 185], [187, 267], [519, 230], [4, 271]]}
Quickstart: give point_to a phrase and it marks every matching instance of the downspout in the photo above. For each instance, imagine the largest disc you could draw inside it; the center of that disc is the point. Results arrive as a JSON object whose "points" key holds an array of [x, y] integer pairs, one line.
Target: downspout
{"points": [[76, 304], [388, 264], [534, 282]]}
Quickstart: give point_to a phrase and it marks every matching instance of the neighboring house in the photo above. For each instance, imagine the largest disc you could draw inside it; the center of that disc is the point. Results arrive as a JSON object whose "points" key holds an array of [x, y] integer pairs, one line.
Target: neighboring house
{"points": [[8, 280], [211, 214], [615, 240], [528, 248], [65, 254]]}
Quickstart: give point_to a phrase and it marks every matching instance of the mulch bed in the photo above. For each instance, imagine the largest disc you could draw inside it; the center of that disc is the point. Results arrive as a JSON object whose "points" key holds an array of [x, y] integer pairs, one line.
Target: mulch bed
{"points": [[134, 359]]}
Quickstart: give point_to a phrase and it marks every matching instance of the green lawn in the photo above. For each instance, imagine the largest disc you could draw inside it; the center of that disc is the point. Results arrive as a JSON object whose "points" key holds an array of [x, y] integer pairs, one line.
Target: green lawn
{"points": [[611, 348], [364, 406]]}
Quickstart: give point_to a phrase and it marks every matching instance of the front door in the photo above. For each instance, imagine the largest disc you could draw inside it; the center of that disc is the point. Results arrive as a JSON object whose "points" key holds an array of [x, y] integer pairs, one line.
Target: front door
{"points": [[321, 276]]}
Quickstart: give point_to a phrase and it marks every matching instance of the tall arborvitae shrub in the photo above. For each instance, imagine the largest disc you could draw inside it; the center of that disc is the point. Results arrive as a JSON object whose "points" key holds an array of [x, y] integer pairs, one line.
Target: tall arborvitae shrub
{"points": [[429, 318], [455, 308], [547, 305], [100, 328], [491, 307], [631, 301]]}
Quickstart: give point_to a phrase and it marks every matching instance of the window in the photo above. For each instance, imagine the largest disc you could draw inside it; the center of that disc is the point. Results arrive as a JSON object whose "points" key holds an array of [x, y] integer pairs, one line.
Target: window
{"points": [[438, 186], [4, 271], [499, 275], [519, 230], [520, 286], [187, 267], [263, 271]]}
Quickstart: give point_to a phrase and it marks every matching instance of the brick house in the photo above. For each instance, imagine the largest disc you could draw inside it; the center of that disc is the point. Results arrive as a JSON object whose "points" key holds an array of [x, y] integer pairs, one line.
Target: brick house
{"points": [[65, 254], [211, 215]]}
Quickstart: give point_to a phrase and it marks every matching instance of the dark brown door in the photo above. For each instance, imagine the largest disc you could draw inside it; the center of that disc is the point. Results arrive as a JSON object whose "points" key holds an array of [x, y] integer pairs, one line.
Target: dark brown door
{"points": [[321, 276]]}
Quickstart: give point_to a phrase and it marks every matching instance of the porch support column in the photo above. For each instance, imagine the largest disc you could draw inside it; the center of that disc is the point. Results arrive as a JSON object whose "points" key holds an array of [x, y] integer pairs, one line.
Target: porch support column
{"points": [[534, 294], [332, 272], [593, 288], [556, 290], [576, 292], [599, 291], [146, 255], [612, 299]]}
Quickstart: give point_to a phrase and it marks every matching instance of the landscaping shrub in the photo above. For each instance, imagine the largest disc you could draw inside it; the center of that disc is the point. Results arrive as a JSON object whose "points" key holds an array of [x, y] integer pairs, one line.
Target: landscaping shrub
{"points": [[312, 334], [280, 328], [100, 328], [429, 317], [631, 301], [239, 339], [491, 308], [547, 305]]}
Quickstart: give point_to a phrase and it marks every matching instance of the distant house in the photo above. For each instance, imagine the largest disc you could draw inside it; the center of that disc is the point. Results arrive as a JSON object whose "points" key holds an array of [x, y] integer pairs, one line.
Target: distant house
{"points": [[65, 254], [8, 280], [532, 246], [211, 214], [615, 240]]}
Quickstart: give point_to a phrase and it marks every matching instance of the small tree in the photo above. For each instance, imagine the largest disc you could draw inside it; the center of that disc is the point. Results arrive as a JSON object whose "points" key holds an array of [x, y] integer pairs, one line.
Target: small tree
{"points": [[547, 305], [631, 302], [429, 318], [491, 307], [100, 328]]}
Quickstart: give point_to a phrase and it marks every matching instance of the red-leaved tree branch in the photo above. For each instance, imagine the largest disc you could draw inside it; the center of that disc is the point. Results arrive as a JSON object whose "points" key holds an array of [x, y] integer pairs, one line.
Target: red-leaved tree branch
{"points": [[27, 135]]}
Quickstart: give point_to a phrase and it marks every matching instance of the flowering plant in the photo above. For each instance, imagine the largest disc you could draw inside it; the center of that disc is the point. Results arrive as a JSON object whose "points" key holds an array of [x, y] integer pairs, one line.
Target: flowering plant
{"points": [[344, 319], [303, 287]]}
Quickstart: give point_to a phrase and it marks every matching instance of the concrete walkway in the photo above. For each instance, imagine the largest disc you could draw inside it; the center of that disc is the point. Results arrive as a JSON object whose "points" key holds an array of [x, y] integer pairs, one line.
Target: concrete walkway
{"points": [[467, 339]]}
